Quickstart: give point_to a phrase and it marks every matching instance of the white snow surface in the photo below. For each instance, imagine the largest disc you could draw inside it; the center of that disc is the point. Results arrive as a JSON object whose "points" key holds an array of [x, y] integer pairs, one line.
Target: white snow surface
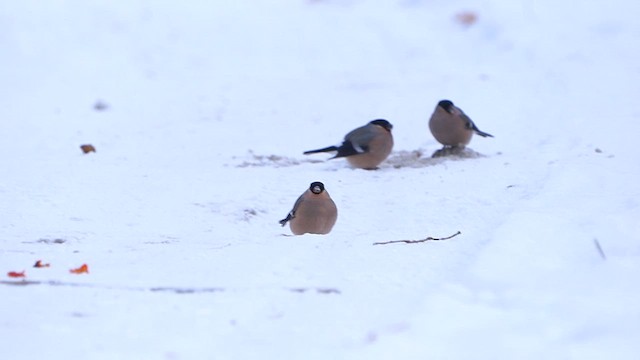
{"points": [[209, 106]]}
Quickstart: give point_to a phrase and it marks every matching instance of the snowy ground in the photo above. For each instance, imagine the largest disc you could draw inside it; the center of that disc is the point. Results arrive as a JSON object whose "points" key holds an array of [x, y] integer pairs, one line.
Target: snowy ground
{"points": [[199, 154]]}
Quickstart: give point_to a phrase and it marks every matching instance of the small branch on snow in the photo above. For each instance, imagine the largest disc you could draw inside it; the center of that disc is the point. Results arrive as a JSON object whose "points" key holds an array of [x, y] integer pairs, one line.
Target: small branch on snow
{"points": [[417, 241]]}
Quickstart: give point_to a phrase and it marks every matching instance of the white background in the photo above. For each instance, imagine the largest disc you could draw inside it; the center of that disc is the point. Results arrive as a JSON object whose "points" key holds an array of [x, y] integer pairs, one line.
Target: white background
{"points": [[199, 154]]}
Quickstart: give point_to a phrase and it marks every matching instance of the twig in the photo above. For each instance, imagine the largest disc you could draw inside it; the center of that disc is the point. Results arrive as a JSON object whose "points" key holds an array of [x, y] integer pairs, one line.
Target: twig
{"points": [[599, 248], [417, 241]]}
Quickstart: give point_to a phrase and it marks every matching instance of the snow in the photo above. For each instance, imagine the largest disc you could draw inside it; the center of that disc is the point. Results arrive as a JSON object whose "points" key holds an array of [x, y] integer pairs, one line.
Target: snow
{"points": [[209, 106]]}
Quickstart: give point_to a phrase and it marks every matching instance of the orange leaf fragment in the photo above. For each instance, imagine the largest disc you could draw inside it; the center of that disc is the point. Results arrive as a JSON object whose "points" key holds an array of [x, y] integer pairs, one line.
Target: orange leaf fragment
{"points": [[87, 148], [15, 274], [39, 264], [84, 269]]}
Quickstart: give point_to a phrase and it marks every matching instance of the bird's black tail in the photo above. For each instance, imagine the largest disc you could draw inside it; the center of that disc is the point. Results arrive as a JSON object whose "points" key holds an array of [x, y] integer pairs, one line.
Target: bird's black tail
{"points": [[283, 222], [482, 133], [327, 149]]}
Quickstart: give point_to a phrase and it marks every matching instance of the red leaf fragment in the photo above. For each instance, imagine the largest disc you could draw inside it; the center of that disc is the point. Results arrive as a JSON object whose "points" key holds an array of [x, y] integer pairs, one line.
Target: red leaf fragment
{"points": [[15, 274], [84, 269]]}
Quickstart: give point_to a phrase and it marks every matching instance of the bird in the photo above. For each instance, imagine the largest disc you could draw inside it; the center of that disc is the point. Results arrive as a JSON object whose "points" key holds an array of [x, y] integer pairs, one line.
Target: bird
{"points": [[452, 127], [314, 212], [365, 147]]}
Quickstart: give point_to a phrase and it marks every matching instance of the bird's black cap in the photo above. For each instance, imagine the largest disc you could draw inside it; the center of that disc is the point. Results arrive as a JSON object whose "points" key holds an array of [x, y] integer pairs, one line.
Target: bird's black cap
{"points": [[382, 122], [447, 105], [316, 187]]}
